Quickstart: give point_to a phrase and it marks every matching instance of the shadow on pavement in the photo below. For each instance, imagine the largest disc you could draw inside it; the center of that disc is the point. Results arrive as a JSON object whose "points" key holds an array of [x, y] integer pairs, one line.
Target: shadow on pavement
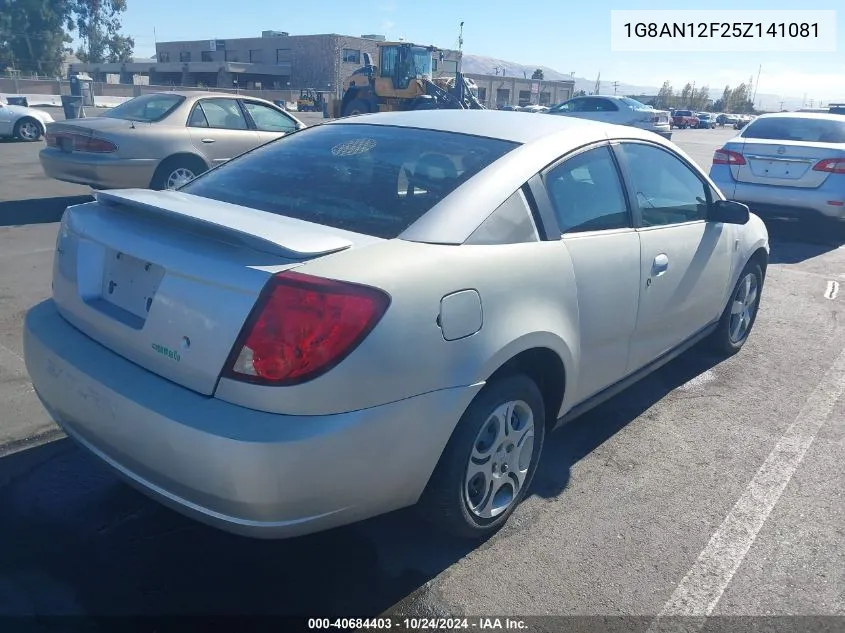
{"points": [[797, 240], [79, 542], [37, 210]]}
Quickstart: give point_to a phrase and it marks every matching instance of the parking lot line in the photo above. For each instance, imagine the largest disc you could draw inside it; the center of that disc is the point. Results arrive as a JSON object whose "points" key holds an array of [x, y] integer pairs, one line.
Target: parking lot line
{"points": [[16, 358], [703, 586]]}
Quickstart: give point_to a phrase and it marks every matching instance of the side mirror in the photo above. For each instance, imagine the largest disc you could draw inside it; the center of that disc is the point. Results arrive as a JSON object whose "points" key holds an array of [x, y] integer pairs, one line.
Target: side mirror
{"points": [[729, 212]]}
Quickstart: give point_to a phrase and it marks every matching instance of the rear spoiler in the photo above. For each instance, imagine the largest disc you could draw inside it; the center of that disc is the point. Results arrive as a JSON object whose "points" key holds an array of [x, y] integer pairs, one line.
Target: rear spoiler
{"points": [[275, 234]]}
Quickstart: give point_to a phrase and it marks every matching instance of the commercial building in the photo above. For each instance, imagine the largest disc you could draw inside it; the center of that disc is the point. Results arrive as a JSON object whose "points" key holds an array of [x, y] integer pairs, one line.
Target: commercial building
{"points": [[496, 90], [279, 62], [274, 61]]}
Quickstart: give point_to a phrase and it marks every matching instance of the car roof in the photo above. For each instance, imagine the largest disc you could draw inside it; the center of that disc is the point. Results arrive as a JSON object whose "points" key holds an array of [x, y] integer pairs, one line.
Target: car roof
{"points": [[197, 94], [498, 124], [827, 116]]}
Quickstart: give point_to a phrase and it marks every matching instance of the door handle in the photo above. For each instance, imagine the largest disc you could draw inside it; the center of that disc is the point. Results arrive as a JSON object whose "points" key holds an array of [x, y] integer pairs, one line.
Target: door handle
{"points": [[208, 140], [660, 265]]}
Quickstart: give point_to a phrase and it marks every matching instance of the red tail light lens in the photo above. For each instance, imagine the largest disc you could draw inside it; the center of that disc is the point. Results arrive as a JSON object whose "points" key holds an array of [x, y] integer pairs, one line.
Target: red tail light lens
{"points": [[728, 157], [94, 145], [831, 165], [80, 142], [301, 327]]}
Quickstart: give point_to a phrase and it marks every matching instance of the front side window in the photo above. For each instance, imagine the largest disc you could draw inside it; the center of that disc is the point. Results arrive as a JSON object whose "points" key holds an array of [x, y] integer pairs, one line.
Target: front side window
{"points": [[269, 120], [587, 194], [666, 189], [370, 179]]}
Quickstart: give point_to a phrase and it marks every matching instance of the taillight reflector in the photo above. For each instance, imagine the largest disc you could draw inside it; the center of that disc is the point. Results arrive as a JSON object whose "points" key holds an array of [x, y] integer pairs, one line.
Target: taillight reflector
{"points": [[301, 327], [831, 165], [80, 142], [728, 157]]}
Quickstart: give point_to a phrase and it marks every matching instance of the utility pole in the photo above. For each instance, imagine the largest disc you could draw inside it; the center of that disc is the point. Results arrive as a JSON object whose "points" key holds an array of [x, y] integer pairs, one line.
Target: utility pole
{"points": [[757, 84], [615, 85], [461, 38], [781, 105]]}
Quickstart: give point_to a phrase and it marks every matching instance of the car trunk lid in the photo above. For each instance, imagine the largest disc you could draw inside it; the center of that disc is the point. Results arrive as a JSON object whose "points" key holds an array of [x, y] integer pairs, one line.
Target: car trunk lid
{"points": [[774, 162], [167, 280]]}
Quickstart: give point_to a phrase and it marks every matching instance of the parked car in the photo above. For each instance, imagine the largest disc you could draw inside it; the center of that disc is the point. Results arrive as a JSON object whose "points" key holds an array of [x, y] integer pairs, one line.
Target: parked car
{"points": [[161, 140], [787, 163], [836, 108], [706, 121], [536, 109], [295, 340], [618, 110], [741, 121], [683, 119], [22, 122]]}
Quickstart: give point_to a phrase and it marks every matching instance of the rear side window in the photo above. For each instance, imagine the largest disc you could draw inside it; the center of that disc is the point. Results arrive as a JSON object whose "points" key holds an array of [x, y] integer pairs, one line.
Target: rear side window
{"points": [[796, 129], [370, 179], [149, 108]]}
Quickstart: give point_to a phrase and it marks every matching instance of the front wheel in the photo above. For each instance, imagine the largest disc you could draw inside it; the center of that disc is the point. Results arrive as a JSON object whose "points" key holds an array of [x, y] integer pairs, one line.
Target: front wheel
{"points": [[741, 312], [490, 460]]}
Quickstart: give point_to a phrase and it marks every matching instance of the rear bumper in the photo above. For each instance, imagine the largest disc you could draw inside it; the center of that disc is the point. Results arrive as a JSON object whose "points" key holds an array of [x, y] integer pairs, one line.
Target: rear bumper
{"points": [[100, 171], [773, 199], [240, 470]]}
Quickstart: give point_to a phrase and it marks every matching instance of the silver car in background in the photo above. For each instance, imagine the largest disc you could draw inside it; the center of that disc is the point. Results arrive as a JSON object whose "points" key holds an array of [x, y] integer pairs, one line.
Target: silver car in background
{"points": [[788, 164], [617, 110], [161, 140], [22, 122], [383, 311]]}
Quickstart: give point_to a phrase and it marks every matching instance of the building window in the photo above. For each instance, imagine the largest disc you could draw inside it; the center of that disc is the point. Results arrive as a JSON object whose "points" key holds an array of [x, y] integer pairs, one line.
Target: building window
{"points": [[524, 97], [256, 56], [282, 55], [434, 65], [482, 94], [351, 56], [164, 57], [545, 98], [206, 56], [185, 56], [233, 56], [503, 95]]}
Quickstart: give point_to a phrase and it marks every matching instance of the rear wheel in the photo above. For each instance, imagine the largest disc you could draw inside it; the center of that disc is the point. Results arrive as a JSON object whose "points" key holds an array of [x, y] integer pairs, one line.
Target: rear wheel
{"points": [[28, 130], [357, 106], [176, 171], [490, 460], [741, 312]]}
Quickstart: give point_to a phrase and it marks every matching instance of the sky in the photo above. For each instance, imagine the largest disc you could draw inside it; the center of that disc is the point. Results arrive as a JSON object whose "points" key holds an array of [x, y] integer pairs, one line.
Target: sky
{"points": [[566, 35]]}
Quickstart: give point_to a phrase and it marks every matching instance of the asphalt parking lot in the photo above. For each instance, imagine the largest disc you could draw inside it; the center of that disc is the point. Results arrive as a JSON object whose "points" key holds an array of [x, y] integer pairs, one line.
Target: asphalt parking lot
{"points": [[710, 487]]}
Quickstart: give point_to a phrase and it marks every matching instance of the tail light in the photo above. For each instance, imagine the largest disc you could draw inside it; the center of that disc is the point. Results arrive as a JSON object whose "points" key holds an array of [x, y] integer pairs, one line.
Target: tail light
{"points": [[831, 165], [80, 142], [728, 157], [301, 327]]}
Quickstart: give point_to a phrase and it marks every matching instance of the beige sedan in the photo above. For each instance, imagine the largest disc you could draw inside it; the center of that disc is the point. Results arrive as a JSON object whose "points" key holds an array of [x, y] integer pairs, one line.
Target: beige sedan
{"points": [[161, 140]]}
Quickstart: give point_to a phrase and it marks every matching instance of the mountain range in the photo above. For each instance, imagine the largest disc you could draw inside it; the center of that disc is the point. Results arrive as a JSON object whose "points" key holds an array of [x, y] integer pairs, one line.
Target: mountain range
{"points": [[482, 65]]}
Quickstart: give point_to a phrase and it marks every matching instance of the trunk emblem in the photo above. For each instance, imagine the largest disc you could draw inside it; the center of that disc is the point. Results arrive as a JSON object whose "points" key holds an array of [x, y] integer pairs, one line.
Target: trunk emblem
{"points": [[165, 351], [781, 150]]}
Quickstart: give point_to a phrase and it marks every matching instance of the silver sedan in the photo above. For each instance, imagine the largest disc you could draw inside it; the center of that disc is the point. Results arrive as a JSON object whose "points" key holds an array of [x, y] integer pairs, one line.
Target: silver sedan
{"points": [[383, 311], [22, 122], [161, 140]]}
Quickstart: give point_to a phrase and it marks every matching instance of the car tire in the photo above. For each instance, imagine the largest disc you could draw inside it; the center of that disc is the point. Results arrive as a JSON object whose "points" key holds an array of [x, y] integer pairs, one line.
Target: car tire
{"points": [[28, 130], [735, 327], [473, 498], [176, 169]]}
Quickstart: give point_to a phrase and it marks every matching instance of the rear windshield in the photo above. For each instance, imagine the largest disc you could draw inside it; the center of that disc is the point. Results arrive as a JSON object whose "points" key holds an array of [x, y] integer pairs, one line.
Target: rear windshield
{"points": [[370, 179], [149, 108], [796, 129]]}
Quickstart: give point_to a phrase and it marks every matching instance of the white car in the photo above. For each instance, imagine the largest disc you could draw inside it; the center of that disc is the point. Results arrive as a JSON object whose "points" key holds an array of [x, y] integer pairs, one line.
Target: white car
{"points": [[382, 311], [617, 110], [22, 122]]}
